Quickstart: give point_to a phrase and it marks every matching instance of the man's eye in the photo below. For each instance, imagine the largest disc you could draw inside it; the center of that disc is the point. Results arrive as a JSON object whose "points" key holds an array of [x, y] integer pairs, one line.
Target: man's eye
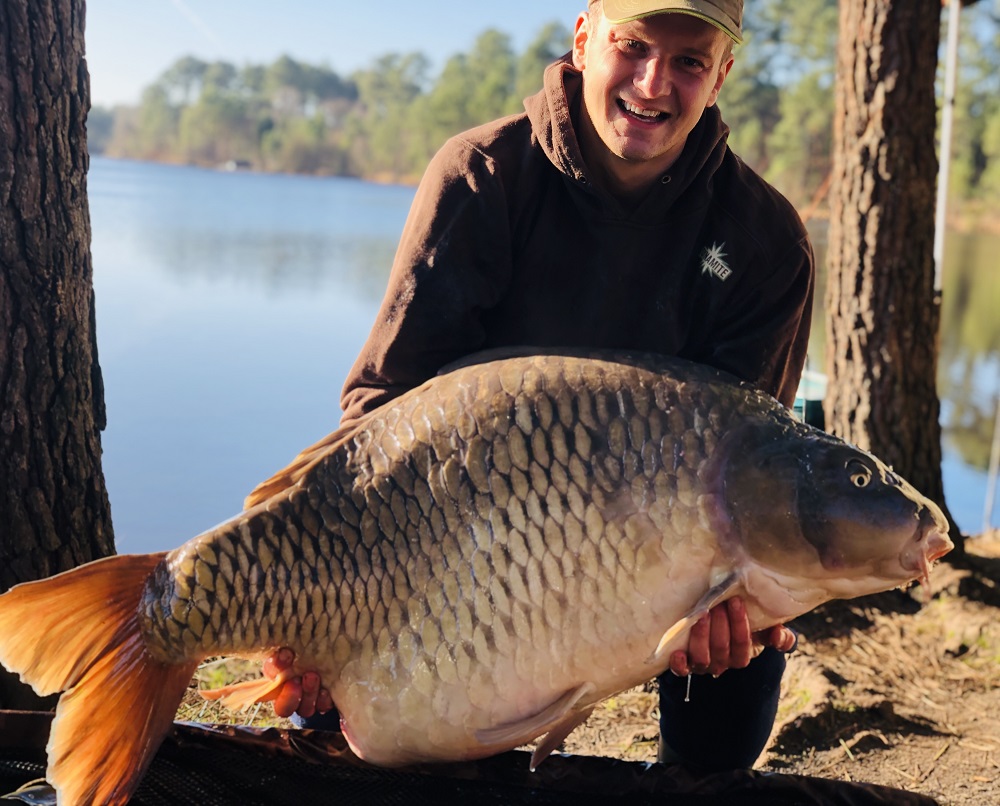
{"points": [[631, 44]]}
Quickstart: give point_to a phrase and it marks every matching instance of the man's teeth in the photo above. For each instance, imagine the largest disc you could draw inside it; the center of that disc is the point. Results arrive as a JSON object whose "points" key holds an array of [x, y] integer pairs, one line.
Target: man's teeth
{"points": [[637, 110]]}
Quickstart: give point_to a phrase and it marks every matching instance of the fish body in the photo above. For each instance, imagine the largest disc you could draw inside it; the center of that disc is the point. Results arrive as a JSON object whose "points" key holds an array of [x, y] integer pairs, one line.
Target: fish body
{"points": [[478, 563]]}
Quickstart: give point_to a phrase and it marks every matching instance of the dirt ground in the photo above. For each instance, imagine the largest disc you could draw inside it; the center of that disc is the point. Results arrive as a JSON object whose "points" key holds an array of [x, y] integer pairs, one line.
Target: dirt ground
{"points": [[887, 690]]}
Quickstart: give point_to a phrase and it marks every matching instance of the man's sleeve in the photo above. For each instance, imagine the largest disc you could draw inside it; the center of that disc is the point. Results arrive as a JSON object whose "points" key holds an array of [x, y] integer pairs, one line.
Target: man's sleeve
{"points": [[453, 262], [767, 340]]}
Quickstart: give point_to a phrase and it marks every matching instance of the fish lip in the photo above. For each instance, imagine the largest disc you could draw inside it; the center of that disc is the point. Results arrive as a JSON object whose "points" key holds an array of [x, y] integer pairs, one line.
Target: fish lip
{"points": [[938, 544], [932, 539], [929, 544]]}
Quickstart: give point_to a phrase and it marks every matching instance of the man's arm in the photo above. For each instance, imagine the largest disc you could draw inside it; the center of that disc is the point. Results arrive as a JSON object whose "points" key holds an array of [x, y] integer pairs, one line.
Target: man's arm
{"points": [[766, 339], [453, 261]]}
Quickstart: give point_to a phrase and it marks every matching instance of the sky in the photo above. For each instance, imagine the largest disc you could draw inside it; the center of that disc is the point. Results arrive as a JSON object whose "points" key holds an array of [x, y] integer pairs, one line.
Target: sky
{"points": [[131, 42]]}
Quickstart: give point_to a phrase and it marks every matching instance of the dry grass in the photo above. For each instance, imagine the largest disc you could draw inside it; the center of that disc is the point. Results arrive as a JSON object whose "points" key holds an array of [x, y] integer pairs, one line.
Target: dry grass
{"points": [[218, 672]]}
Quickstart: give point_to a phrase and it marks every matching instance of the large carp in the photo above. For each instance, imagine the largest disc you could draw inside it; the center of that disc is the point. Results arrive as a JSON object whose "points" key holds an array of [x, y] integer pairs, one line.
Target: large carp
{"points": [[476, 564]]}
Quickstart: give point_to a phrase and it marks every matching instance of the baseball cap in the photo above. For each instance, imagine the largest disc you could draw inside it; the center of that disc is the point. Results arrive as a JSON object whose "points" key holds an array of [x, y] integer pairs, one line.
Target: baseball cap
{"points": [[727, 15]]}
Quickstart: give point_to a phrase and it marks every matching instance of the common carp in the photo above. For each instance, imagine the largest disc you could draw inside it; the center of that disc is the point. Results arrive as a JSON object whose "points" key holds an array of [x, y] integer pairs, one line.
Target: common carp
{"points": [[476, 564]]}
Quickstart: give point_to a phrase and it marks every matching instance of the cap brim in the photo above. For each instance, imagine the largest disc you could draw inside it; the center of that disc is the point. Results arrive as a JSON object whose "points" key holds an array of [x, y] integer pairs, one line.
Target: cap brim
{"points": [[728, 27]]}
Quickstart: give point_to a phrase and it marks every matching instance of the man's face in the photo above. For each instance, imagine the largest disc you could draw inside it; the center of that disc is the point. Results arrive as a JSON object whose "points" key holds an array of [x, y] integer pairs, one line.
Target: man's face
{"points": [[646, 84]]}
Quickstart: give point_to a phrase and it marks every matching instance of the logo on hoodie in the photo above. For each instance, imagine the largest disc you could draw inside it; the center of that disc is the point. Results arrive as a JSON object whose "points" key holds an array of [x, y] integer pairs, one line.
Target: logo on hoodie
{"points": [[712, 261]]}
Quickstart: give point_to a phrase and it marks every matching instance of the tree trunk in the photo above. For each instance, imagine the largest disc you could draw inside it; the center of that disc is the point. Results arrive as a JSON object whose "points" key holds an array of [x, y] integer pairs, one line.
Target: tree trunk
{"points": [[884, 313], [54, 510]]}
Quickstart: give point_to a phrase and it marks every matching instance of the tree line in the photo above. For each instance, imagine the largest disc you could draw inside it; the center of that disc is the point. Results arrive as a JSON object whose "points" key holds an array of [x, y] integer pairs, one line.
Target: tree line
{"points": [[386, 121]]}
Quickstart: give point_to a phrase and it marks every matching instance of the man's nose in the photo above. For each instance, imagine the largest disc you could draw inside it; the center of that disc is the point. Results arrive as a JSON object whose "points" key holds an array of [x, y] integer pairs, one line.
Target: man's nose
{"points": [[652, 78]]}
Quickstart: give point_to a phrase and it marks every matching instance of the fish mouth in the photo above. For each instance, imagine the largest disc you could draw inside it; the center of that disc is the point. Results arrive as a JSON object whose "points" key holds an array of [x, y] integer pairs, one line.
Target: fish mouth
{"points": [[929, 547], [938, 544]]}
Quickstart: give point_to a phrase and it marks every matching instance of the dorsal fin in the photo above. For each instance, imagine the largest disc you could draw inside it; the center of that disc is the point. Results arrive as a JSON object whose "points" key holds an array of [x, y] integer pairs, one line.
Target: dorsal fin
{"points": [[299, 466]]}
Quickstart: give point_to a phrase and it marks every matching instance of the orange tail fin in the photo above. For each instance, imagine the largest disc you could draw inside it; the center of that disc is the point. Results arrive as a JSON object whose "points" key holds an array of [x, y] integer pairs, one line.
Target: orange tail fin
{"points": [[79, 632]]}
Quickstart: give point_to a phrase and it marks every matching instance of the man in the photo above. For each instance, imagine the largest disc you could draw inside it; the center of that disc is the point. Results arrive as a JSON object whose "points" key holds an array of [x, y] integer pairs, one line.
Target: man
{"points": [[612, 214]]}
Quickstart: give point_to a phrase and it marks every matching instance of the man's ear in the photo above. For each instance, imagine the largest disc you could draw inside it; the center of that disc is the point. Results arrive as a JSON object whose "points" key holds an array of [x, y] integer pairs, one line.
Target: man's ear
{"points": [[720, 79], [581, 35]]}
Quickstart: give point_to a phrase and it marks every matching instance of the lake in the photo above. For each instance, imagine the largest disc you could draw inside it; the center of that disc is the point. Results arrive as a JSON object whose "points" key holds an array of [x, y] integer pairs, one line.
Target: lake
{"points": [[231, 305]]}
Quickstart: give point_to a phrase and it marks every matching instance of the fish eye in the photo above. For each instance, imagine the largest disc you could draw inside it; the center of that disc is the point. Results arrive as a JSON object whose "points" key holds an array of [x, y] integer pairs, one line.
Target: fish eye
{"points": [[861, 475]]}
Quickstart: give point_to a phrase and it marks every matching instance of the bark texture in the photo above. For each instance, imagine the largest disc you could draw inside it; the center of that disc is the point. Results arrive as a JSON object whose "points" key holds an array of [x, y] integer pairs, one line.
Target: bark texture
{"points": [[884, 314], [54, 510]]}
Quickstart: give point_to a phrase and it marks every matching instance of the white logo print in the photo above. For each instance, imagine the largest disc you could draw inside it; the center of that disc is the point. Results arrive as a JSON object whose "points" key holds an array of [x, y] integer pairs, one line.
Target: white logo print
{"points": [[712, 261]]}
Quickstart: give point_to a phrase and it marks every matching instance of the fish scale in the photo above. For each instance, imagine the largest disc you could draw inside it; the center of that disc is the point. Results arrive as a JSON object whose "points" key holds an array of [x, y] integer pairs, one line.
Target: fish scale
{"points": [[474, 586], [478, 563]]}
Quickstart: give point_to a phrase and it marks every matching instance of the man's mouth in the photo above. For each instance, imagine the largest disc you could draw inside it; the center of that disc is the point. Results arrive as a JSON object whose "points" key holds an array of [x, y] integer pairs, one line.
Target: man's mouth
{"points": [[638, 113]]}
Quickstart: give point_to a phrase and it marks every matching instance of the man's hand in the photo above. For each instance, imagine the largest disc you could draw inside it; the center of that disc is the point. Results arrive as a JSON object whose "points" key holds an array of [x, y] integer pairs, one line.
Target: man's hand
{"points": [[302, 695], [722, 640]]}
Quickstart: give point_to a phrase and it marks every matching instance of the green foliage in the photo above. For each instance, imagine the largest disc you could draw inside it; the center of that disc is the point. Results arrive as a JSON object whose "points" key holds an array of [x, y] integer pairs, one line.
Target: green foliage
{"points": [[492, 68], [100, 124], [387, 120], [976, 143], [156, 129], [802, 140], [182, 81], [784, 89], [551, 42], [970, 332], [218, 128], [380, 134], [751, 102]]}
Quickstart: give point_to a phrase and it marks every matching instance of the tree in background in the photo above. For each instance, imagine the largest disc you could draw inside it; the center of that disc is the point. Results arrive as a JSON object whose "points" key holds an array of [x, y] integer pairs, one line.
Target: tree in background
{"points": [[380, 132], [550, 43], [799, 38], [54, 510], [975, 171], [751, 98], [220, 126], [883, 313], [492, 66]]}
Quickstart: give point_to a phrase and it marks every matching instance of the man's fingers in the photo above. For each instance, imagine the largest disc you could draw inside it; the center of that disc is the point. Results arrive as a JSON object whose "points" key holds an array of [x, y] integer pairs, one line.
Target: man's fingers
{"points": [[277, 662], [722, 640], [324, 702], [779, 637], [719, 640], [740, 637], [679, 663], [699, 652], [288, 699], [310, 692], [783, 639]]}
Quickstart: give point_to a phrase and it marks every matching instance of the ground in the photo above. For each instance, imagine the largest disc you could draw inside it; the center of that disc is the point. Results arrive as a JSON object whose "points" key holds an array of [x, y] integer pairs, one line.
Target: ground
{"points": [[889, 689]]}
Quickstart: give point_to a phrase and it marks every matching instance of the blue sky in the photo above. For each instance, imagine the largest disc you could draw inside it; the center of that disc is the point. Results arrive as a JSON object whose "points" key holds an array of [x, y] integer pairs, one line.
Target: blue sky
{"points": [[131, 42]]}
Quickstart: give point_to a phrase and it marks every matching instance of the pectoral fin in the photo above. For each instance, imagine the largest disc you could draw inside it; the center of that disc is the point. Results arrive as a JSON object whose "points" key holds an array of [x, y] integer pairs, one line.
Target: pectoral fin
{"points": [[240, 695], [714, 595], [555, 736], [557, 719]]}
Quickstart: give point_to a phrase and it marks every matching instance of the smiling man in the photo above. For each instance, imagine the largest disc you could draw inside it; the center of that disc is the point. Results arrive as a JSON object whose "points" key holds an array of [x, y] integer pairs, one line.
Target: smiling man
{"points": [[611, 213], [647, 81]]}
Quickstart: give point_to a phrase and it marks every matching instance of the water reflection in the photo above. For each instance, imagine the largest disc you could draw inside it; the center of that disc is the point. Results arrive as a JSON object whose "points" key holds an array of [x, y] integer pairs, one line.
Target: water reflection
{"points": [[969, 380], [284, 233]]}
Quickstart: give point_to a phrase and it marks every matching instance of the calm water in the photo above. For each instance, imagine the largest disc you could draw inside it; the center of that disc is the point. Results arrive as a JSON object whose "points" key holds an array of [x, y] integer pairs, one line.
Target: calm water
{"points": [[230, 307]]}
